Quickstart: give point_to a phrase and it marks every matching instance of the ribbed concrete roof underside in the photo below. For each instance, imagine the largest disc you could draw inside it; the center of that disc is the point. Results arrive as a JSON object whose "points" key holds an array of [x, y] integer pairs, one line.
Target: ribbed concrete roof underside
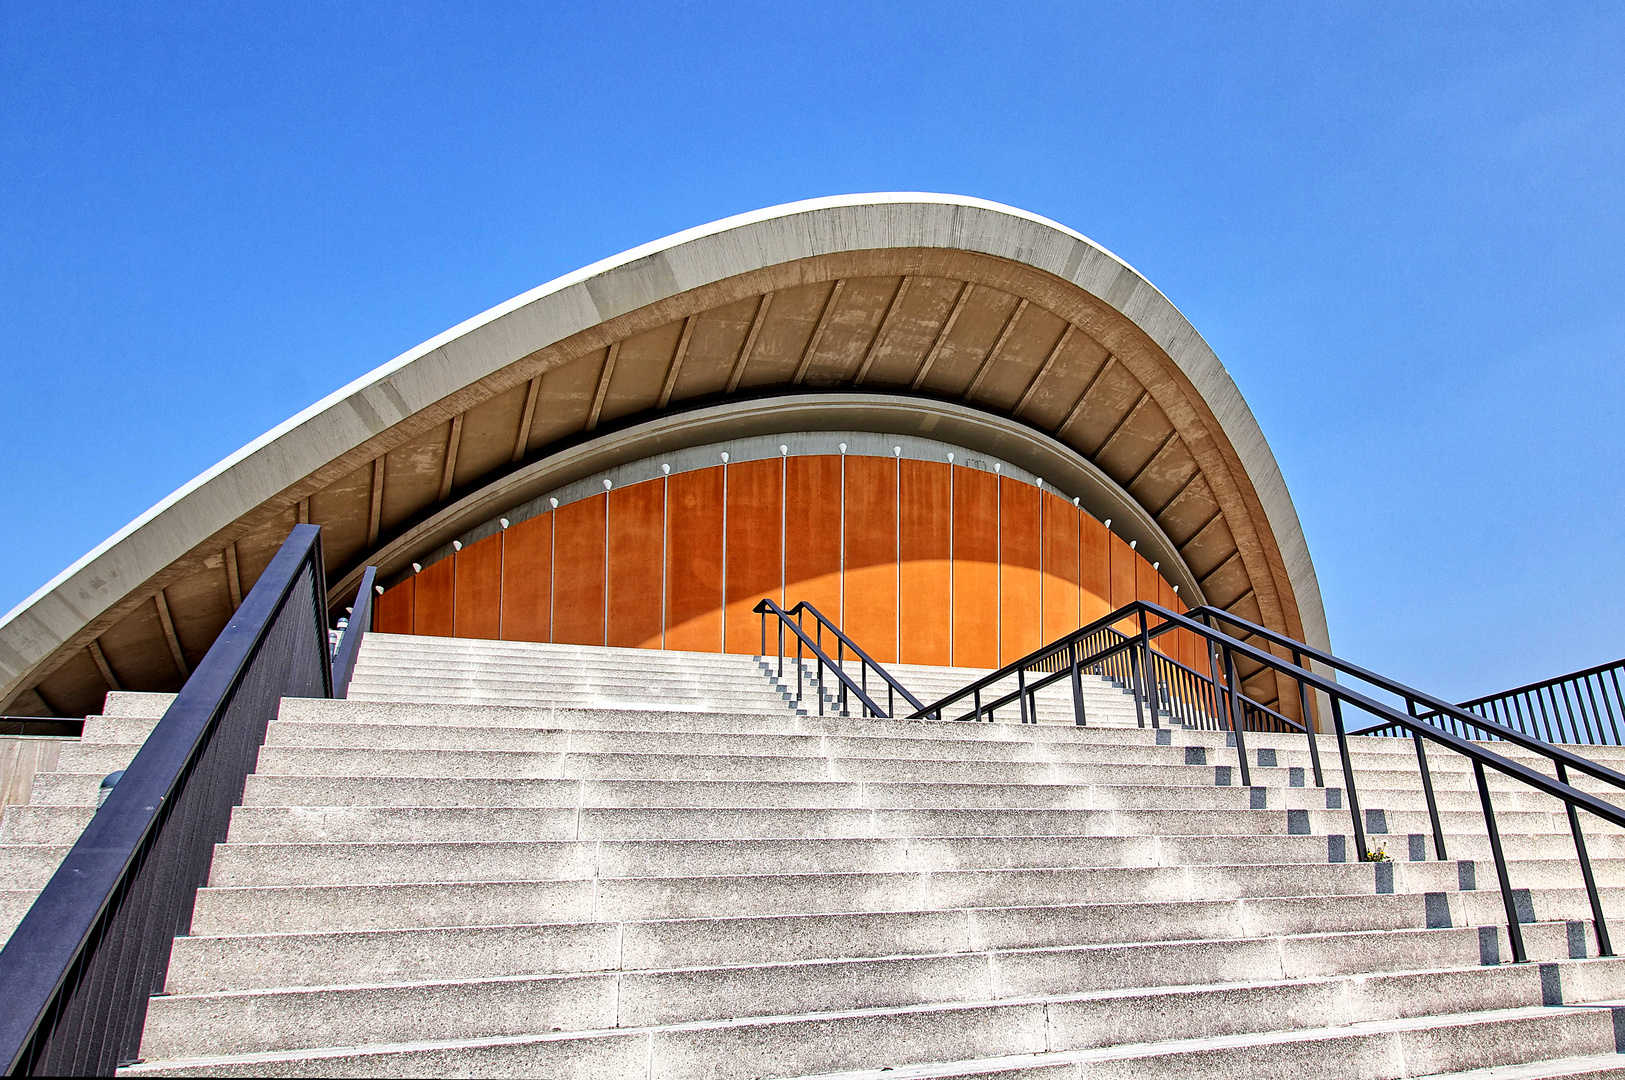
{"points": [[933, 297]]}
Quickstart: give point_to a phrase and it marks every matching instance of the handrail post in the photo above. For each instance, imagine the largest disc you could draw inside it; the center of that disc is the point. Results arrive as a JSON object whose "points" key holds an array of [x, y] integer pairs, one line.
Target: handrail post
{"points": [[1236, 721], [1308, 726], [1021, 692], [1078, 716], [1149, 671], [1514, 931], [977, 697], [1604, 946], [764, 634], [1135, 683], [1427, 787], [1348, 776]]}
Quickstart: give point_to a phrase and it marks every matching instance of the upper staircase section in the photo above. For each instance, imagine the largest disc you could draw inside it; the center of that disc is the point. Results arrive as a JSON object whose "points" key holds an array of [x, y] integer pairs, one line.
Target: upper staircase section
{"points": [[463, 671]]}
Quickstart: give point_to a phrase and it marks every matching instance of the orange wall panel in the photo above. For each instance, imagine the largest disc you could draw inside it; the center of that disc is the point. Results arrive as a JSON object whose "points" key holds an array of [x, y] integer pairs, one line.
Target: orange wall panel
{"points": [[812, 533], [755, 494], [1021, 549], [1060, 567], [527, 580], [1167, 644], [392, 612], [1094, 570], [694, 561], [578, 572], [477, 605], [636, 533], [976, 569], [871, 556], [924, 534], [432, 599], [1123, 562]]}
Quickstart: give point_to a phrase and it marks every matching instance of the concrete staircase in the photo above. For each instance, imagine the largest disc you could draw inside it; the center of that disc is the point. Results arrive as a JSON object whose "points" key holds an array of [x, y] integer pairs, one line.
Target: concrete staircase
{"points": [[678, 886], [462, 671], [36, 835]]}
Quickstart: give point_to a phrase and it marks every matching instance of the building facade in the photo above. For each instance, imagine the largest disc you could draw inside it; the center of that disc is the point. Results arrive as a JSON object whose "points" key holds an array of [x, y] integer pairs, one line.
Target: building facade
{"points": [[956, 428]]}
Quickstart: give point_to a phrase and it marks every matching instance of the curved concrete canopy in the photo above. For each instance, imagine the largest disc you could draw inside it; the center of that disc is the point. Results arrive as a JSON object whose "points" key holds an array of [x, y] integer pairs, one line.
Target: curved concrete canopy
{"points": [[932, 297]]}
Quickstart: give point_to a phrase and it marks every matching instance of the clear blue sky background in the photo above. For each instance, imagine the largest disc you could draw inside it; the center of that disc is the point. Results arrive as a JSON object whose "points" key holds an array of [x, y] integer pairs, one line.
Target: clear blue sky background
{"points": [[1399, 225]]}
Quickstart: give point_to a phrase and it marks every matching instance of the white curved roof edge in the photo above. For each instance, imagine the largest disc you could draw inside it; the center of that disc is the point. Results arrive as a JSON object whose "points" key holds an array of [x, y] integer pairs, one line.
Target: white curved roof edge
{"points": [[1177, 337]]}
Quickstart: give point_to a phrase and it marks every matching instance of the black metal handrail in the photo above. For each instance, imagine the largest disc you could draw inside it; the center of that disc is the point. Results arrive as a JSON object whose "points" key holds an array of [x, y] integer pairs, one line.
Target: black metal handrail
{"points": [[1416, 701], [1583, 697], [1231, 649], [349, 648], [860, 690], [77, 973]]}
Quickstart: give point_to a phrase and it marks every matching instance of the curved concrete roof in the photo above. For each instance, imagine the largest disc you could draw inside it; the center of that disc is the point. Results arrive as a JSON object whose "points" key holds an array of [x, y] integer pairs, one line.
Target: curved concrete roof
{"points": [[932, 296]]}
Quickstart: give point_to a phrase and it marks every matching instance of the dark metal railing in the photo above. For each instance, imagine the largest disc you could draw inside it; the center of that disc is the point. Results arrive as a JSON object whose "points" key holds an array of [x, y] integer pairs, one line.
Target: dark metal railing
{"points": [[1421, 721], [1582, 708], [349, 648], [1219, 696], [847, 688], [76, 975]]}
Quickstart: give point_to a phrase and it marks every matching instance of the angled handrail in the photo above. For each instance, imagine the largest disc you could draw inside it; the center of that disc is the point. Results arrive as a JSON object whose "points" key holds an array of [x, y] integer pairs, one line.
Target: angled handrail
{"points": [[80, 967], [1419, 699], [767, 607], [1231, 648], [843, 642], [360, 620]]}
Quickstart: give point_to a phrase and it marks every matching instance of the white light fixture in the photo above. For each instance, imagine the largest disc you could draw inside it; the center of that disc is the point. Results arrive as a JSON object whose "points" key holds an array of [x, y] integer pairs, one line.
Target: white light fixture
{"points": [[1132, 544], [504, 522], [950, 459], [606, 483], [555, 503], [665, 469], [843, 448], [1077, 501], [1156, 566], [897, 450], [380, 589], [417, 568], [998, 466], [725, 457], [784, 450], [1176, 590], [1108, 523], [456, 545]]}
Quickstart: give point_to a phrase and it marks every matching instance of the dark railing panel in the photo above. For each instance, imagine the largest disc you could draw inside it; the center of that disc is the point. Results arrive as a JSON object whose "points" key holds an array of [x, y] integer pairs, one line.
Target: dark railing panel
{"points": [[814, 644], [1583, 708], [76, 975]]}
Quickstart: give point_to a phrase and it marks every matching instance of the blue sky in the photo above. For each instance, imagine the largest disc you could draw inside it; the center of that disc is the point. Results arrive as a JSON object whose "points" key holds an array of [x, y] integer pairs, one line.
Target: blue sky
{"points": [[1401, 228]]}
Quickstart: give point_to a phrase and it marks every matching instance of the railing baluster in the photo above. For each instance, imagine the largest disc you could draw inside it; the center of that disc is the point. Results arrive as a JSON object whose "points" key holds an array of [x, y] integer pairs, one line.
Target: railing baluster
{"points": [[1514, 931], [1079, 717], [1427, 790], [1604, 946], [1349, 793], [1147, 670], [1237, 721], [1308, 726]]}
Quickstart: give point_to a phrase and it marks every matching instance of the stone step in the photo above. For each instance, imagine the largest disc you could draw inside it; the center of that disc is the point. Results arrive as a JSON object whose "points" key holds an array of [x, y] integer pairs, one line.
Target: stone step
{"points": [[266, 961], [1362, 1050], [1224, 1026], [705, 895], [313, 824]]}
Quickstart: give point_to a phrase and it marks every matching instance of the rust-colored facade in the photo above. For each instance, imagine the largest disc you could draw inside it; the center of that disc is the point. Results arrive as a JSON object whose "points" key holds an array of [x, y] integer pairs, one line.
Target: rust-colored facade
{"points": [[921, 562]]}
